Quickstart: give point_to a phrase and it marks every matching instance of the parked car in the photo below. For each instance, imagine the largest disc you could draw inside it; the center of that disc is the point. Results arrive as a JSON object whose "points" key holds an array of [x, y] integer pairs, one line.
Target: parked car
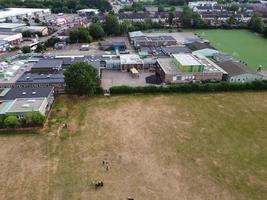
{"points": [[84, 47]]}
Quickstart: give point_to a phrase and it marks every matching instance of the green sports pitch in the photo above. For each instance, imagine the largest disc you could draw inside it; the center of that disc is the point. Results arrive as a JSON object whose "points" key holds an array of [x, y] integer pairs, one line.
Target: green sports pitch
{"points": [[245, 45]]}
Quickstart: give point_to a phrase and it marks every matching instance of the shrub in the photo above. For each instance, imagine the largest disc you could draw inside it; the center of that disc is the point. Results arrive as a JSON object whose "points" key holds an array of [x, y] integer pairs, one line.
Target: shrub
{"points": [[11, 122], [34, 119]]}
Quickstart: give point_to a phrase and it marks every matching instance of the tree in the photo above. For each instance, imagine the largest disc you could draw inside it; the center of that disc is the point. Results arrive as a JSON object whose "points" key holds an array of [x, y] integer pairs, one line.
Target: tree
{"points": [[190, 19], [265, 33], [11, 122], [232, 20], [124, 27], [37, 20], [160, 8], [26, 49], [171, 17], [234, 7], [80, 35], [81, 78], [26, 20], [256, 23], [52, 41], [26, 33], [112, 25], [40, 48], [35, 119], [96, 31]]}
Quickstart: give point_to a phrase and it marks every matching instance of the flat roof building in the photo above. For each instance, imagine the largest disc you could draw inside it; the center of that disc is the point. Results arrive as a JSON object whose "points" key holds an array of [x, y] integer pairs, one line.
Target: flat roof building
{"points": [[28, 105], [47, 66], [187, 63], [55, 80], [18, 14], [11, 72], [16, 93], [170, 70], [238, 72], [10, 27], [11, 38], [129, 61], [88, 12]]}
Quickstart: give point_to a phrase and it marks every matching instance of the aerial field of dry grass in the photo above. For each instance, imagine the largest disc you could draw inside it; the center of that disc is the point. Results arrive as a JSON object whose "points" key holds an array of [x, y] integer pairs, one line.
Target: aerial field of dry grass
{"points": [[182, 147]]}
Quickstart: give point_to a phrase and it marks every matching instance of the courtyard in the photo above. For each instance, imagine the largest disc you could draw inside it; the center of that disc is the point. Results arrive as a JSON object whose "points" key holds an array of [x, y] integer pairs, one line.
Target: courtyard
{"points": [[110, 78]]}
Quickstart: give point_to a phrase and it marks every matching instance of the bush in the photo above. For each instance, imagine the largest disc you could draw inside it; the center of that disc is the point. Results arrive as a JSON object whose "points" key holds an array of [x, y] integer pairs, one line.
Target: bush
{"points": [[11, 122], [187, 88], [34, 119]]}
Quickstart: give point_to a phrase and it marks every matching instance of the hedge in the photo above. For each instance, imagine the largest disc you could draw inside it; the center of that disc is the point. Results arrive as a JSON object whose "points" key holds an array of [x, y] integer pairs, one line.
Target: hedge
{"points": [[29, 120], [187, 88]]}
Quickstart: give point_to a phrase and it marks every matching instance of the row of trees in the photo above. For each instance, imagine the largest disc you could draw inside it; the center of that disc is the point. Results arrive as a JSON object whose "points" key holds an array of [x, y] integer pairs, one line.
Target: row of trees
{"points": [[66, 6], [30, 120], [190, 19], [187, 88], [111, 26]]}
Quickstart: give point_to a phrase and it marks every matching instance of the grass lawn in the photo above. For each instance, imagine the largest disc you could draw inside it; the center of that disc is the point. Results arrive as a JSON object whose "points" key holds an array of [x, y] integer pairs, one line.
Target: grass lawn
{"points": [[249, 47], [181, 146]]}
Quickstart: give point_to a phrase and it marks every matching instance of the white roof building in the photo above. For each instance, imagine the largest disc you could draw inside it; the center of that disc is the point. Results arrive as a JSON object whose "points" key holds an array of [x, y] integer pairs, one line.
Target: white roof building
{"points": [[194, 4], [136, 34], [186, 59], [9, 27], [25, 105], [131, 59], [14, 14], [88, 11], [10, 37]]}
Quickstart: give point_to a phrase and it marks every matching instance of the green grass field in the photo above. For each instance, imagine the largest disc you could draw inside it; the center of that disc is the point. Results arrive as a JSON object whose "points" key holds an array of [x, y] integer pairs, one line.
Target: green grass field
{"points": [[179, 146], [249, 47]]}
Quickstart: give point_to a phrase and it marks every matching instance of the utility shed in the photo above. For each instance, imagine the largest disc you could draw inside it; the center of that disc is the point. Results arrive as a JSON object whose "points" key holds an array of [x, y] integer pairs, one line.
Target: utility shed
{"points": [[238, 72]]}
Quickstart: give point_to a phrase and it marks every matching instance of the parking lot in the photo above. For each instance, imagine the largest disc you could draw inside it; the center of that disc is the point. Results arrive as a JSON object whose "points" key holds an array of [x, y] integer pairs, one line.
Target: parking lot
{"points": [[74, 49], [117, 78]]}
